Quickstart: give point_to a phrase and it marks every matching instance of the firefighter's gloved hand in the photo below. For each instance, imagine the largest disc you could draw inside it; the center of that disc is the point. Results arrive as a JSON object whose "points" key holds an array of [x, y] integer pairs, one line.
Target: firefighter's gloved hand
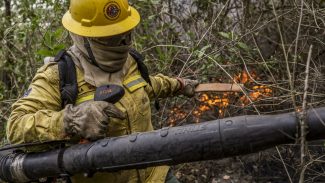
{"points": [[90, 120], [187, 87]]}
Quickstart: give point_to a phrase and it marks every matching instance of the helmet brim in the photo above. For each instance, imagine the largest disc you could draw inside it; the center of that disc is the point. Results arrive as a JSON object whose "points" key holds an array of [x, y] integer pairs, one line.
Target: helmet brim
{"points": [[101, 31]]}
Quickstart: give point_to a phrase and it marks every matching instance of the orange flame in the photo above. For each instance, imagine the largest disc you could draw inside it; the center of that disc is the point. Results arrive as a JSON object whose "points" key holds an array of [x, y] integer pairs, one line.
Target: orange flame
{"points": [[257, 93], [220, 102], [210, 102], [176, 114]]}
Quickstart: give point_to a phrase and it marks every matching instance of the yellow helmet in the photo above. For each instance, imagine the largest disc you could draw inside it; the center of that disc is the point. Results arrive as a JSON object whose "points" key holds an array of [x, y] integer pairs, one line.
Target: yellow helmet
{"points": [[100, 18]]}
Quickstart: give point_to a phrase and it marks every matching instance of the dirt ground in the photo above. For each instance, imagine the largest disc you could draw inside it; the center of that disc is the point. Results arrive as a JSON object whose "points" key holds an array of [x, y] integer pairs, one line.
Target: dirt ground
{"points": [[263, 167]]}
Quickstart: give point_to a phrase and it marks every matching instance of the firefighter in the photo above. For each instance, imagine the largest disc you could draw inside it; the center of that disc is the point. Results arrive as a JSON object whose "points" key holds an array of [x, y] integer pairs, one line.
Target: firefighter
{"points": [[101, 31]]}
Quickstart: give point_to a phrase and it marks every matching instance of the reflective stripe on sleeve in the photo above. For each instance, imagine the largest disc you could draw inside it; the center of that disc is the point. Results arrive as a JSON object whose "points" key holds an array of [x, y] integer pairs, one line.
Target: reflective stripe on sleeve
{"points": [[134, 82]]}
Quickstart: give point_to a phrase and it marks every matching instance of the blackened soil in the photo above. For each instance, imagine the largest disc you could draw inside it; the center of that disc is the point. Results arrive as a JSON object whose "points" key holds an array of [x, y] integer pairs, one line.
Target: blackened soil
{"points": [[263, 167]]}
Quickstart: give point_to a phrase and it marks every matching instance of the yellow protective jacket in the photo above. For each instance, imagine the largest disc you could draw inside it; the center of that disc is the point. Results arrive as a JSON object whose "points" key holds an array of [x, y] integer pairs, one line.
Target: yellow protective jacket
{"points": [[38, 115]]}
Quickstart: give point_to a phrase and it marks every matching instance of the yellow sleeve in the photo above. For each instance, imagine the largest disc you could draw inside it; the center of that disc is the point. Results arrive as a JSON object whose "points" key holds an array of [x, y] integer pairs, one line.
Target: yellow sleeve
{"points": [[38, 116], [163, 86]]}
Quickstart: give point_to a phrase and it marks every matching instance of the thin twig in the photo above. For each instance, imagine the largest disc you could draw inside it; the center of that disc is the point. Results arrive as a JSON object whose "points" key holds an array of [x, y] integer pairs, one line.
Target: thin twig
{"points": [[199, 42], [284, 165], [262, 57], [285, 54], [303, 118], [295, 56]]}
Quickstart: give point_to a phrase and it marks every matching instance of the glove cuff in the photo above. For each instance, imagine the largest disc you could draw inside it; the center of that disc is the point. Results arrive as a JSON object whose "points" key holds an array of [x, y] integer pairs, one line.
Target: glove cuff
{"points": [[181, 83]]}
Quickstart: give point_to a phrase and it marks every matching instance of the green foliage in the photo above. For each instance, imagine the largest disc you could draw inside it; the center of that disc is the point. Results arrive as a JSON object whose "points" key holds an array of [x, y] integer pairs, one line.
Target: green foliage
{"points": [[51, 46], [30, 23]]}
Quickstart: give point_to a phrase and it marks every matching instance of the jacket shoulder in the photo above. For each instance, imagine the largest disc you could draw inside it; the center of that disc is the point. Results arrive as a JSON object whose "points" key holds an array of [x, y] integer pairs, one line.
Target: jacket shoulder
{"points": [[49, 72]]}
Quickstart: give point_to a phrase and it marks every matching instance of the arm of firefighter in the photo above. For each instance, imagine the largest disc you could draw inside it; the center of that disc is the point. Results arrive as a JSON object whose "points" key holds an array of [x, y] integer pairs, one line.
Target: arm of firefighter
{"points": [[163, 86], [37, 116]]}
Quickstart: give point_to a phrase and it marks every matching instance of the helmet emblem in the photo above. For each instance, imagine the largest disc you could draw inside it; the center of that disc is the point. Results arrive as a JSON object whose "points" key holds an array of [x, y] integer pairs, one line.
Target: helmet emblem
{"points": [[112, 10]]}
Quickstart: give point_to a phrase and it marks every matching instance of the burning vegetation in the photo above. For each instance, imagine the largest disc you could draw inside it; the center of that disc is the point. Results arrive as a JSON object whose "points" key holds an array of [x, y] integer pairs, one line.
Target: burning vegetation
{"points": [[218, 103]]}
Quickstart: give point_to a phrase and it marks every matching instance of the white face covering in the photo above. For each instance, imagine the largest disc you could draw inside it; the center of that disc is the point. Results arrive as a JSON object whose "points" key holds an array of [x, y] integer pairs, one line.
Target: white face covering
{"points": [[110, 53]]}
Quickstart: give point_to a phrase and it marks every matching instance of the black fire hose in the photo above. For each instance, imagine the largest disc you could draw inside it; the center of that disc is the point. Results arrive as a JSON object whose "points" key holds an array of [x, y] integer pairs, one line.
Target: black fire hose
{"points": [[168, 146]]}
